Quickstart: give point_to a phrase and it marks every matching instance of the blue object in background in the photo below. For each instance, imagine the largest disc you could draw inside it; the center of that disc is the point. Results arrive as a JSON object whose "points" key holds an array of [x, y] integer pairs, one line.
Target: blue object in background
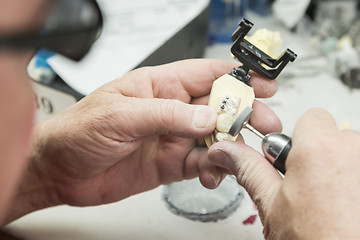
{"points": [[225, 16], [261, 7], [39, 68], [41, 58]]}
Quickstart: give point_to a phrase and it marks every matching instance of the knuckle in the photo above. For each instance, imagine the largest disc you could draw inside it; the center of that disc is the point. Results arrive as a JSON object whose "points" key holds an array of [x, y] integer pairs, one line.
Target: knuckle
{"points": [[167, 111]]}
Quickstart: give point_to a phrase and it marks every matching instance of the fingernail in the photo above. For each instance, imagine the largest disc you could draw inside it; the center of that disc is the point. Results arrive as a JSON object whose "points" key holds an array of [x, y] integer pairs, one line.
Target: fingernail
{"points": [[216, 180], [221, 158], [204, 117]]}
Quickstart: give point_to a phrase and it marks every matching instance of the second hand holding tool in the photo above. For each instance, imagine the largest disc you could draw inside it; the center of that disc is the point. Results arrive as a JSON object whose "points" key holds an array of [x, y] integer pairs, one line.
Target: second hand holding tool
{"points": [[275, 146]]}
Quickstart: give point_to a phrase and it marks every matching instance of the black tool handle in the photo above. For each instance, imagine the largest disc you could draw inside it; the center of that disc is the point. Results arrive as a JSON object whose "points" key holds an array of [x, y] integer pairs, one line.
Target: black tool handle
{"points": [[279, 162], [276, 147]]}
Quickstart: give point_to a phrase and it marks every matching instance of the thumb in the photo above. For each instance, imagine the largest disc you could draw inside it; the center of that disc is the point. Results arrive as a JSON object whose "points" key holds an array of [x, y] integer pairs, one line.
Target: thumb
{"points": [[171, 117], [314, 120], [260, 179]]}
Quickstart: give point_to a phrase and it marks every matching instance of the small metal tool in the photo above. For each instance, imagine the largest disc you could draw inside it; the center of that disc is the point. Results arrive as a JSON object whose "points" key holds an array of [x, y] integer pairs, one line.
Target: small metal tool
{"points": [[275, 146]]}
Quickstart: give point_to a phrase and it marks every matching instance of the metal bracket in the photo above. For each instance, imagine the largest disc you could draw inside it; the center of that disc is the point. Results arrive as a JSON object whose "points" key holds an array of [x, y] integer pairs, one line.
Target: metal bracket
{"points": [[255, 59]]}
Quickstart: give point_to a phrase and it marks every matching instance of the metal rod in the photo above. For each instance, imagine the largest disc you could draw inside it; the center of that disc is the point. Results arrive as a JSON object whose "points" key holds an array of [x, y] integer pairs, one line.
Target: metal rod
{"points": [[248, 126]]}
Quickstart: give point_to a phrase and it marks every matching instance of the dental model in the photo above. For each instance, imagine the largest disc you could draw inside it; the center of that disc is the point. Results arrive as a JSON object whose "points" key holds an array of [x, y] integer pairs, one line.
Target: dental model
{"points": [[232, 93], [267, 41], [228, 97]]}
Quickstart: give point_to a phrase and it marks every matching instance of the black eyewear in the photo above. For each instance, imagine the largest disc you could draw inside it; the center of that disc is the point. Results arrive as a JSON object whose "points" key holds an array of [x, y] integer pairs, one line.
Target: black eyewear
{"points": [[70, 29]]}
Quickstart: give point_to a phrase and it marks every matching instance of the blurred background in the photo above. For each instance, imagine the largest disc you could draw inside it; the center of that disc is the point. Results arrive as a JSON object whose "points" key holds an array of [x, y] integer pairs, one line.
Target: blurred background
{"points": [[325, 34], [331, 27]]}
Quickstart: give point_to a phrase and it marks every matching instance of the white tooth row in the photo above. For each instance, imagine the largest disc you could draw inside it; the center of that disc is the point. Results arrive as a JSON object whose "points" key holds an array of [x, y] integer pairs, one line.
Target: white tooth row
{"points": [[226, 110]]}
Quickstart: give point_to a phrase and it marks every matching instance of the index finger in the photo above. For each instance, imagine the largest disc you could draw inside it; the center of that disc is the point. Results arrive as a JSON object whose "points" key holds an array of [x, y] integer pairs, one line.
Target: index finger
{"points": [[195, 75], [313, 121], [198, 75]]}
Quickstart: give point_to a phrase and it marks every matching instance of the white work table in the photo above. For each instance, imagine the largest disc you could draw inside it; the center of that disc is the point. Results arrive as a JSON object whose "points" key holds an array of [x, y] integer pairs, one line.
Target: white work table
{"points": [[145, 216]]}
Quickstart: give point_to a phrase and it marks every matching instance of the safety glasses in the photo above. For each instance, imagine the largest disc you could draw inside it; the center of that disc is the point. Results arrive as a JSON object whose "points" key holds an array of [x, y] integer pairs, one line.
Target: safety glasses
{"points": [[70, 28]]}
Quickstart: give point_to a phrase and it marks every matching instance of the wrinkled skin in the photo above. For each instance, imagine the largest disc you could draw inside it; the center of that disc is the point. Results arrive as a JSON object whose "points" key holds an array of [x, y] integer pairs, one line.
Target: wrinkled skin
{"points": [[319, 196], [130, 136]]}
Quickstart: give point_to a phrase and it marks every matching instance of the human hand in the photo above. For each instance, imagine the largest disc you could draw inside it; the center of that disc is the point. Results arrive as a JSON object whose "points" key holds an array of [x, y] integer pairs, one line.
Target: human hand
{"points": [[135, 133], [319, 196]]}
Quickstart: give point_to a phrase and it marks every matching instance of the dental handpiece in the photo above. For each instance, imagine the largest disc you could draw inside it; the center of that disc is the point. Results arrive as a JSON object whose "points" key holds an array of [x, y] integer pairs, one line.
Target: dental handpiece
{"points": [[275, 146]]}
